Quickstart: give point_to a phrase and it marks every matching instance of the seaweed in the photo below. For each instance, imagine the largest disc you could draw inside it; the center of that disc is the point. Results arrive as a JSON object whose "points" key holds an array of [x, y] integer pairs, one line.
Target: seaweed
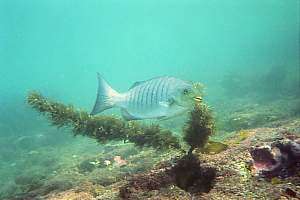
{"points": [[199, 127], [102, 128], [185, 173], [192, 176], [152, 136]]}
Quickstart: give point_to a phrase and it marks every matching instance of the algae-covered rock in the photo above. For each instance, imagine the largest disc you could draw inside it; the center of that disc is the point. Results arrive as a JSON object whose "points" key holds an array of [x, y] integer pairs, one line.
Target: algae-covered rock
{"points": [[70, 195], [245, 115], [213, 147], [87, 165], [186, 173], [28, 183], [279, 159], [191, 176]]}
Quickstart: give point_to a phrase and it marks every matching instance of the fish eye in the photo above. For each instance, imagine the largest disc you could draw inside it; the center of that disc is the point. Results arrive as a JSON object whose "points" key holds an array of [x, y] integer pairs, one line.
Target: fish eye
{"points": [[185, 91]]}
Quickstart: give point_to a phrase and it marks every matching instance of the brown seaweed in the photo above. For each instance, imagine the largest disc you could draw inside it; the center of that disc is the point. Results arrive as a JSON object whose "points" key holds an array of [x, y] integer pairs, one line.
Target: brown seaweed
{"points": [[102, 128], [199, 127], [197, 130]]}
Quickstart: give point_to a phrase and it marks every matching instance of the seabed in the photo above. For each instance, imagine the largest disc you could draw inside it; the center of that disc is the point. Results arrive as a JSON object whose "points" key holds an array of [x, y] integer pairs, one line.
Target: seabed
{"points": [[80, 168]]}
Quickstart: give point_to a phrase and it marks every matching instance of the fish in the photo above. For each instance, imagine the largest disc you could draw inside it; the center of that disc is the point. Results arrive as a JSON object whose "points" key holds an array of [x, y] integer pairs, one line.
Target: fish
{"points": [[158, 98]]}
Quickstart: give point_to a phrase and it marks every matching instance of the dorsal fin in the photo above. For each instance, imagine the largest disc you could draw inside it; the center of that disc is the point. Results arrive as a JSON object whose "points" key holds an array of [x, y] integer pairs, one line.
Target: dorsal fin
{"points": [[136, 84], [141, 82]]}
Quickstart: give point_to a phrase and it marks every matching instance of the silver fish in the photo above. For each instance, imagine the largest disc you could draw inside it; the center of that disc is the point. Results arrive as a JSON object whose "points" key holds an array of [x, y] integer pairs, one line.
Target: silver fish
{"points": [[157, 98]]}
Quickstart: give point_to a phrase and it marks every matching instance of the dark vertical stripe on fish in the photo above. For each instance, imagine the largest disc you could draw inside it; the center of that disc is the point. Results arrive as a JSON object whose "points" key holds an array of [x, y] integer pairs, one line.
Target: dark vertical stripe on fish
{"points": [[139, 100], [167, 88], [136, 99], [136, 96], [130, 98], [163, 89], [143, 96], [157, 92], [148, 94], [139, 104], [133, 100], [153, 93]]}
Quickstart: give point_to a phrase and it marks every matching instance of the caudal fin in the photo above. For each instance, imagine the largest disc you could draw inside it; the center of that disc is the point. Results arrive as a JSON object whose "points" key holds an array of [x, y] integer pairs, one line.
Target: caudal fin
{"points": [[105, 96]]}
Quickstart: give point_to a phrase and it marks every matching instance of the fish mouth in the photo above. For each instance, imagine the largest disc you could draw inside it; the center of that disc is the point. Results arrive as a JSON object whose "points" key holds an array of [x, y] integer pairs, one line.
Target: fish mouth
{"points": [[199, 99]]}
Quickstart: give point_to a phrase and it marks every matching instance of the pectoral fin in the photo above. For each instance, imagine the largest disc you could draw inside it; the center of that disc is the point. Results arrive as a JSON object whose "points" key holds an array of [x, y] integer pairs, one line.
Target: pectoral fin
{"points": [[127, 116], [164, 104], [167, 103]]}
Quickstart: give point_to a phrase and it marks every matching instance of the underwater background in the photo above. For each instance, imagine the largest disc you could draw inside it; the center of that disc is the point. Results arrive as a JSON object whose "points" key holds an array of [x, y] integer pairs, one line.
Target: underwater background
{"points": [[246, 53]]}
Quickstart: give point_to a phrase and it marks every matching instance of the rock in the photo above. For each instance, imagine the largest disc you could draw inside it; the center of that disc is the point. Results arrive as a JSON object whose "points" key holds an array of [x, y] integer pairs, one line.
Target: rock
{"points": [[290, 192], [187, 174], [280, 159], [70, 195]]}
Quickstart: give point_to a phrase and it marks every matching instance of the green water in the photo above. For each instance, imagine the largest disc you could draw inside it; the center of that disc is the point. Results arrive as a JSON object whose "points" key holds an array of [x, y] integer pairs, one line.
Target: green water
{"points": [[245, 52]]}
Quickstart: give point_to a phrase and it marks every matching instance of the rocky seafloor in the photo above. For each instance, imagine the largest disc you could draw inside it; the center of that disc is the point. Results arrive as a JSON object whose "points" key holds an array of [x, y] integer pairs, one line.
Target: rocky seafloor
{"points": [[256, 162], [234, 177], [229, 174]]}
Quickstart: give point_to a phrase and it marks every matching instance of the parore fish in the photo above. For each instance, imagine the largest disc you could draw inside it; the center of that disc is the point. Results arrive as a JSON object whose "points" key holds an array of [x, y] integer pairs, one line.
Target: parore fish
{"points": [[158, 98]]}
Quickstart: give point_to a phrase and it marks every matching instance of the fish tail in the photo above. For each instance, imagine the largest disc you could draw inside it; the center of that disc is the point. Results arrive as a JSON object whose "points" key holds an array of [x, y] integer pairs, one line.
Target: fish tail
{"points": [[105, 97]]}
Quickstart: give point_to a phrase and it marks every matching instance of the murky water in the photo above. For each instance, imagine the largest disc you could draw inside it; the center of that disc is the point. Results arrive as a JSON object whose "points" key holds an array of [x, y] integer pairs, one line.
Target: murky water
{"points": [[246, 53]]}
